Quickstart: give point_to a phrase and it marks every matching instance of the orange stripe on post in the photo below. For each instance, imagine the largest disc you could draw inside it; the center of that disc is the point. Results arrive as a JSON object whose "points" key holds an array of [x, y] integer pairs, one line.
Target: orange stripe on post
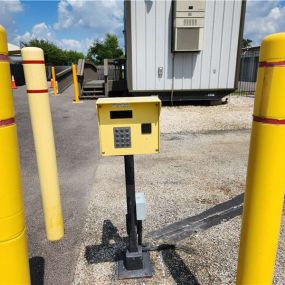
{"points": [[272, 64], [7, 122], [33, 62], [270, 121], [38, 91]]}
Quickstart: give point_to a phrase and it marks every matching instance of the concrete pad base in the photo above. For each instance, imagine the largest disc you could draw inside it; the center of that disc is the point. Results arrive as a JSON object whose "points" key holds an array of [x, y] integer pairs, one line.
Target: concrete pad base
{"points": [[146, 271]]}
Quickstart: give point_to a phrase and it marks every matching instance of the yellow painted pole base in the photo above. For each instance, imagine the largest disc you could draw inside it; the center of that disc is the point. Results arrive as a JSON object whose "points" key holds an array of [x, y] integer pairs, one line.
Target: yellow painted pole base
{"points": [[77, 102], [263, 204], [55, 92], [14, 265], [265, 183], [75, 84], [35, 76]]}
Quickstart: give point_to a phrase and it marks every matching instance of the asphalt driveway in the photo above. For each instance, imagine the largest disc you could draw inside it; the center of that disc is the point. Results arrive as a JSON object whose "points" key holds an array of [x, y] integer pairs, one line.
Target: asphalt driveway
{"points": [[75, 131]]}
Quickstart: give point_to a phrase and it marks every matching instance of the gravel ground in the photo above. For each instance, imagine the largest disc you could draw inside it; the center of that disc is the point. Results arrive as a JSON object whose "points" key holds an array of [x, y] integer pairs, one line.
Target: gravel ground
{"points": [[197, 180], [232, 116]]}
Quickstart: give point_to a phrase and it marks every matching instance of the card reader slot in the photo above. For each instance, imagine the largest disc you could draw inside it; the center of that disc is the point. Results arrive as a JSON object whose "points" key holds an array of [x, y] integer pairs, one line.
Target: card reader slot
{"points": [[126, 114]]}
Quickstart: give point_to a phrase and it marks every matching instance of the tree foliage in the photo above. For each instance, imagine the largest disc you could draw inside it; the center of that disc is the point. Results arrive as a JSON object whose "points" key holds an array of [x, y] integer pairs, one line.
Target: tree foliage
{"points": [[246, 43], [107, 48], [53, 54]]}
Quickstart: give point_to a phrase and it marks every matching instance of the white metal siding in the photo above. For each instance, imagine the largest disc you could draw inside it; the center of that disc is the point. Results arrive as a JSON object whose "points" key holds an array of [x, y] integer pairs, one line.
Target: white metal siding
{"points": [[212, 68]]}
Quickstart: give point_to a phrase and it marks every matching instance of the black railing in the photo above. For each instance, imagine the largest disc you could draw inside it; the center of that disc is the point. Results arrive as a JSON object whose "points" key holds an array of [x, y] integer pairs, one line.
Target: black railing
{"points": [[248, 71], [63, 76]]}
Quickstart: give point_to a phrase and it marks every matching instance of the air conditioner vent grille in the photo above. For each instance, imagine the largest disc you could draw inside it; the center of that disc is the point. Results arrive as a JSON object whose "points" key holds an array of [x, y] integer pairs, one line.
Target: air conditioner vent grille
{"points": [[190, 22]]}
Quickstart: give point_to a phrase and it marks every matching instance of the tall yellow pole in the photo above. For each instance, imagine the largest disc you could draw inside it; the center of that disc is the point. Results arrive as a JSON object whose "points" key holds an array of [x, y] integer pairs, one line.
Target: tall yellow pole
{"points": [[54, 81], [266, 168], [14, 265], [35, 76], [75, 84]]}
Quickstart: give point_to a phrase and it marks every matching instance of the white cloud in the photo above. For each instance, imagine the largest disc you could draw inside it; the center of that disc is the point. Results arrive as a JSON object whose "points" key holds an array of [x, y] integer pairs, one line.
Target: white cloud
{"points": [[263, 18], [8, 7], [7, 11], [39, 31], [42, 31], [73, 44], [102, 15], [95, 18]]}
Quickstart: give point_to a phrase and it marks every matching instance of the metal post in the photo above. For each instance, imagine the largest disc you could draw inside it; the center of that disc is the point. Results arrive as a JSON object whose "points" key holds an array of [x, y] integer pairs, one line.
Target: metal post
{"points": [[14, 262], [131, 202], [35, 76], [54, 81], [264, 194], [80, 74], [136, 263], [75, 84], [106, 74]]}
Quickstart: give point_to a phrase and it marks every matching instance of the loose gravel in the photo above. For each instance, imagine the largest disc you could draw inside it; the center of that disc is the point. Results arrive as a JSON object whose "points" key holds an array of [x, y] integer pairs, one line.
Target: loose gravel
{"points": [[232, 116], [202, 164]]}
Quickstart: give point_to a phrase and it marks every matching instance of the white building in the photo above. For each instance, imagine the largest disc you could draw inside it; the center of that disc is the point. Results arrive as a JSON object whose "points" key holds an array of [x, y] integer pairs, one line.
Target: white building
{"points": [[183, 49]]}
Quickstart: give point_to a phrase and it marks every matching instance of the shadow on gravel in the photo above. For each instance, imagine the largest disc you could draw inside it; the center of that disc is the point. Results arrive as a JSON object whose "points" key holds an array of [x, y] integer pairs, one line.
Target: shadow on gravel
{"points": [[195, 103], [37, 270], [178, 269], [113, 246], [110, 249], [218, 214]]}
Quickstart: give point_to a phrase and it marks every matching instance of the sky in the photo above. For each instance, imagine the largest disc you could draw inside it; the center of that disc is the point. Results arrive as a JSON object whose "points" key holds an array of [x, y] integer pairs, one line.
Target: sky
{"points": [[75, 24], [69, 24]]}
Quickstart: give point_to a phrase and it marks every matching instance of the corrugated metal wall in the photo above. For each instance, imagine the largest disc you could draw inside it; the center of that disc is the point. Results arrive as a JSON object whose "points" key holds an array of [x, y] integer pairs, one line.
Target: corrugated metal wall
{"points": [[212, 68]]}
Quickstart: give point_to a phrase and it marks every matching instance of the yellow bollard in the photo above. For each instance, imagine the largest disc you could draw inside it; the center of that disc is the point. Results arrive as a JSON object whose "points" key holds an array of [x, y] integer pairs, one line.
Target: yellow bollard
{"points": [[266, 167], [75, 84], [54, 81], [14, 265], [35, 76]]}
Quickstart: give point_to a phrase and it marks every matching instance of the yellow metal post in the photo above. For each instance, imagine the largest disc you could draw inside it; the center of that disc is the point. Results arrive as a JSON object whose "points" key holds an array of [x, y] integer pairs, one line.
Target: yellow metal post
{"points": [[75, 84], [54, 81], [14, 265], [35, 76], [266, 167]]}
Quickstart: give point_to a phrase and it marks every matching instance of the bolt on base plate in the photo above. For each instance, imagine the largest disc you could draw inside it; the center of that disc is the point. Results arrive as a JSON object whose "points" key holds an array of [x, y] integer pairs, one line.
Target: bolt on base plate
{"points": [[144, 272]]}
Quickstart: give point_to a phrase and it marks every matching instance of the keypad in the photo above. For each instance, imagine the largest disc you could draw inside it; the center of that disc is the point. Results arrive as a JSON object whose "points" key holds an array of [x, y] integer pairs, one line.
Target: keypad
{"points": [[122, 137]]}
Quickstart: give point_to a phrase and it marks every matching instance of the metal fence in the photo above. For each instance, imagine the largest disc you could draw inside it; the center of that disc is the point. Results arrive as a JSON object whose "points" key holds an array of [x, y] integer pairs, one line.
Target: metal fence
{"points": [[248, 71], [115, 72]]}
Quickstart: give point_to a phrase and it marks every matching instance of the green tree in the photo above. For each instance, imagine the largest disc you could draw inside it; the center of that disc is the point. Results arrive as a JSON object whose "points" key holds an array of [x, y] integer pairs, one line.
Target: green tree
{"points": [[107, 48], [73, 56], [53, 54], [246, 43]]}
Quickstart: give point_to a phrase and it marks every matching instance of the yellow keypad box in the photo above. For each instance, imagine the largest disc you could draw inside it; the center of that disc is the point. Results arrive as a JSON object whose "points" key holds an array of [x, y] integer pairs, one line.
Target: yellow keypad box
{"points": [[128, 125]]}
